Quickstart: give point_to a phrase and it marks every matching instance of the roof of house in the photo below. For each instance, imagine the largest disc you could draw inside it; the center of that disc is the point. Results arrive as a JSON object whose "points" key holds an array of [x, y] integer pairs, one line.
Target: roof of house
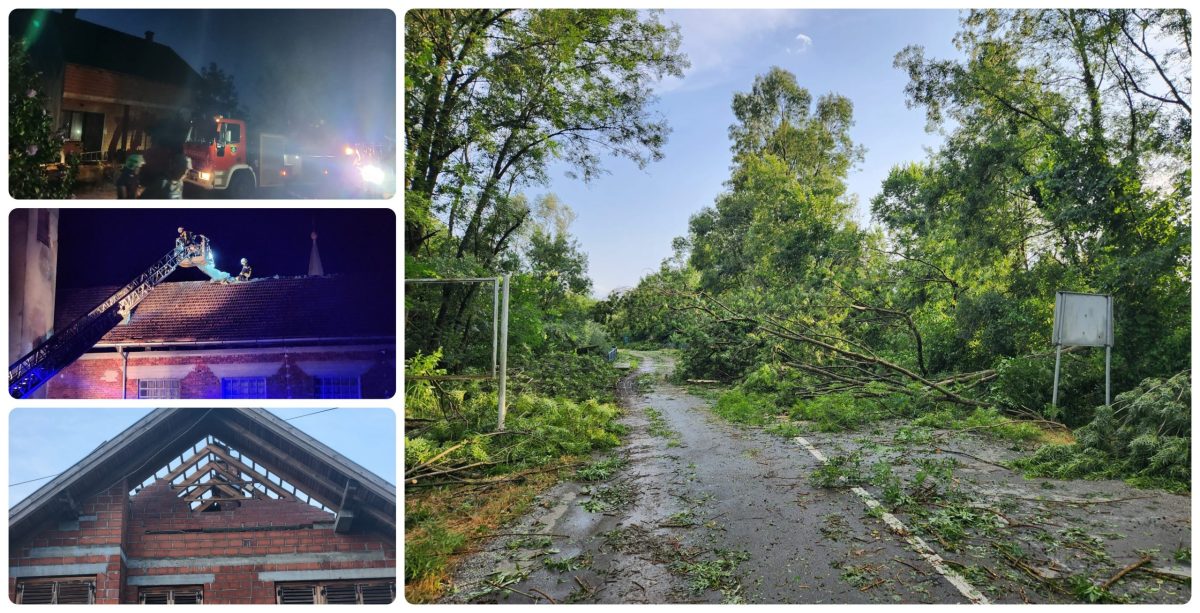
{"points": [[267, 311], [76, 41], [142, 450]]}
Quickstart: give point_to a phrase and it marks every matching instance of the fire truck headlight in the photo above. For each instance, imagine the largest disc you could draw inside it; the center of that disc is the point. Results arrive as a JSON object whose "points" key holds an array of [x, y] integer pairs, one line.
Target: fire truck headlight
{"points": [[372, 174], [348, 150]]}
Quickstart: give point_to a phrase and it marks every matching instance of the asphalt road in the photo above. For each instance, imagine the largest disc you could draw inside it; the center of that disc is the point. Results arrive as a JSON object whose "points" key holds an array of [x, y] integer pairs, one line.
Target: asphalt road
{"points": [[704, 511]]}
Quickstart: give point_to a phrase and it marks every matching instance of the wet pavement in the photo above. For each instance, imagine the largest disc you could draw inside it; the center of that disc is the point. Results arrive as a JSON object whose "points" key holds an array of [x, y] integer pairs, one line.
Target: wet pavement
{"points": [[707, 511]]}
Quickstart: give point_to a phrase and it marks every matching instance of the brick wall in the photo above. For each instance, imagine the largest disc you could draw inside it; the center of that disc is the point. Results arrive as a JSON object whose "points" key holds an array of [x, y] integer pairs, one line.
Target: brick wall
{"points": [[88, 81], [100, 376], [93, 540], [161, 537]]}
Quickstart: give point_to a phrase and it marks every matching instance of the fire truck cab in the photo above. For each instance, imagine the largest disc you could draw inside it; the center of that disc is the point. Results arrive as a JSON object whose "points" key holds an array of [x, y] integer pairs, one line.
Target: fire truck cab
{"points": [[225, 158]]}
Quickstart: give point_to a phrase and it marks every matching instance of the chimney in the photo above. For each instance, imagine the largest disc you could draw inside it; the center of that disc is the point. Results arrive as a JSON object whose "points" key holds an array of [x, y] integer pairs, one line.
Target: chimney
{"points": [[150, 36], [314, 259], [69, 13]]}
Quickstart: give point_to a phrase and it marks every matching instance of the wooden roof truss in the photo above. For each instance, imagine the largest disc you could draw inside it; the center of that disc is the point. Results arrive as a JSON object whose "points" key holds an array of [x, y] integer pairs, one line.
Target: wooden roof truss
{"points": [[211, 472]]}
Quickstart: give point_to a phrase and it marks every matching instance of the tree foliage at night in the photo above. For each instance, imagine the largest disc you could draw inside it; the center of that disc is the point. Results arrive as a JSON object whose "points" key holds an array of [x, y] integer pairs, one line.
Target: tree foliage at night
{"points": [[216, 94], [33, 141]]}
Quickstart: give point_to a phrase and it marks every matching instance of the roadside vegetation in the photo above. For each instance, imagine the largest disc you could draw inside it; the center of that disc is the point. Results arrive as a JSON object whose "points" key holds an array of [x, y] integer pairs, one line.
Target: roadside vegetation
{"points": [[472, 151], [1065, 176]]}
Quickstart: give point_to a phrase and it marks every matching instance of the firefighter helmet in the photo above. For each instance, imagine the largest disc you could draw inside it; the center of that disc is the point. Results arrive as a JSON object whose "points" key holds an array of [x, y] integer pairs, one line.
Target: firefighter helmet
{"points": [[135, 161], [245, 261], [180, 230]]}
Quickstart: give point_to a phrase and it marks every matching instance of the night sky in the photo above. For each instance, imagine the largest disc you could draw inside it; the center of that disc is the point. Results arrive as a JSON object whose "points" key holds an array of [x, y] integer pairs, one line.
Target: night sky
{"points": [[343, 62], [109, 247]]}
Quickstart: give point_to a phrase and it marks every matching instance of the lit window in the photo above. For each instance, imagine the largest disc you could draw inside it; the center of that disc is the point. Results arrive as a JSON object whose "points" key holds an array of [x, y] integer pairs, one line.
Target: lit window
{"points": [[381, 592], [337, 387], [158, 388], [171, 595], [56, 591], [244, 387]]}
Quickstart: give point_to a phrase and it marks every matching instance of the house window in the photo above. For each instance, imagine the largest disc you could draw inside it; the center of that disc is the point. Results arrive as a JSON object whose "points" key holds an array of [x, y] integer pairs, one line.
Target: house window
{"points": [[171, 595], [43, 227], [158, 388], [337, 387], [57, 590], [244, 387], [376, 592]]}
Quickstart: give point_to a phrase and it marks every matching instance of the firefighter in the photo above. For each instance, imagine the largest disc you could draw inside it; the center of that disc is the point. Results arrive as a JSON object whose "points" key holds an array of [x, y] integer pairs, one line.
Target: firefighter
{"points": [[166, 164], [246, 271], [183, 240], [128, 182]]}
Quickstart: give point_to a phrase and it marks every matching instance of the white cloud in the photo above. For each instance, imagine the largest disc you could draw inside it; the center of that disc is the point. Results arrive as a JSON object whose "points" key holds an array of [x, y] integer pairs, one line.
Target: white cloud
{"points": [[717, 40], [802, 43]]}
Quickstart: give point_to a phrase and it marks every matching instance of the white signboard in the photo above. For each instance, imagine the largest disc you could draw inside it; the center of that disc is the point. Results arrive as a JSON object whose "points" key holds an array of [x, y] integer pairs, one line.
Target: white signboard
{"points": [[1083, 320]]}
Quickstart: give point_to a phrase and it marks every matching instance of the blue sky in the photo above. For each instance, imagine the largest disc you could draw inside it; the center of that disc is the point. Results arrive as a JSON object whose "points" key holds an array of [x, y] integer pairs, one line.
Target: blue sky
{"points": [[45, 442], [626, 219]]}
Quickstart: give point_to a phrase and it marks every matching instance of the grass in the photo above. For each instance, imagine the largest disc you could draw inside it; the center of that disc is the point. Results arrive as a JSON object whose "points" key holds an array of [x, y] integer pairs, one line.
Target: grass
{"points": [[745, 408], [438, 524]]}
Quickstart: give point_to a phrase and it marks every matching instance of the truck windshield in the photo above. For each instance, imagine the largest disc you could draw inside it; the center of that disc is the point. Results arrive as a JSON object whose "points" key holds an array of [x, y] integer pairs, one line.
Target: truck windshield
{"points": [[199, 135]]}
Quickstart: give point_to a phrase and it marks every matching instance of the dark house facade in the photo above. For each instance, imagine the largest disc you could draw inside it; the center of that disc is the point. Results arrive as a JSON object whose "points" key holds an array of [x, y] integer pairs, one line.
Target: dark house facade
{"points": [[107, 88]]}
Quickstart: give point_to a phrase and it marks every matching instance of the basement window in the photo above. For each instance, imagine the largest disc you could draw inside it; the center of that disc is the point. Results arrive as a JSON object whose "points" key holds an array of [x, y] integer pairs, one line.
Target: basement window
{"points": [[337, 387], [340, 592], [158, 389], [57, 590], [171, 595], [244, 387]]}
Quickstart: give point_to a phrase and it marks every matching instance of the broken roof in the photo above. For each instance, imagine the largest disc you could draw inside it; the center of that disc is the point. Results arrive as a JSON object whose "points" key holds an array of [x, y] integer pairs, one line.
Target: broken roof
{"points": [[267, 310], [70, 39], [139, 452]]}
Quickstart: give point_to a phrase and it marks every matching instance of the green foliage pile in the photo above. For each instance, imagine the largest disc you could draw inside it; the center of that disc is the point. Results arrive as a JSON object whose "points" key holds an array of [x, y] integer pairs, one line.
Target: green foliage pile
{"points": [[542, 428], [1145, 437]]}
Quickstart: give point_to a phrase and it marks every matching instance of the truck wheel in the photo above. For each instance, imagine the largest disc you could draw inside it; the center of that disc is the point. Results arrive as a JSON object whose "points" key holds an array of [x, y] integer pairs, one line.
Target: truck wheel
{"points": [[241, 186]]}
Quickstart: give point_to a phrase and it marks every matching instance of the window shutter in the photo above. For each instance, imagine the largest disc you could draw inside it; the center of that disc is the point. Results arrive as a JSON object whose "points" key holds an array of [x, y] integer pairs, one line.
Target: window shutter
{"points": [[187, 596], [296, 594], [342, 593], [156, 597], [35, 593], [74, 592], [378, 593]]}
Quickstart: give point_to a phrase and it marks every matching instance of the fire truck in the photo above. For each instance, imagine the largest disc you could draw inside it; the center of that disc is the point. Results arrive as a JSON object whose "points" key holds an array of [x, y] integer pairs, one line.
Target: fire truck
{"points": [[227, 159]]}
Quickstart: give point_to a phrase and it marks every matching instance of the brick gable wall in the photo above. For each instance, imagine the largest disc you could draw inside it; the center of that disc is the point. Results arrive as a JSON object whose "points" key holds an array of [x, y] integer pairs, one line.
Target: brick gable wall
{"points": [[162, 541]]}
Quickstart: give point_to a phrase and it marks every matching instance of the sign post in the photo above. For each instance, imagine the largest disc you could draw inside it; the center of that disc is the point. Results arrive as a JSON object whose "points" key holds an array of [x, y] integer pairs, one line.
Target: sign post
{"points": [[1083, 320]]}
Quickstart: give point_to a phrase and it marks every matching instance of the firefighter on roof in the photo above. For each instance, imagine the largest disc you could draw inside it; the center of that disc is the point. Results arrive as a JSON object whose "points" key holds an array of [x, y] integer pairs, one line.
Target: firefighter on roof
{"points": [[246, 271], [183, 240]]}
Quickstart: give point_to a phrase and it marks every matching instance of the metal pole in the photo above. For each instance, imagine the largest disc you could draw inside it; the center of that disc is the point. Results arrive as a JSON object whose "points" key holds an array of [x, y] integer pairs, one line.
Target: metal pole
{"points": [[495, 315], [503, 354], [1057, 361], [1107, 374]]}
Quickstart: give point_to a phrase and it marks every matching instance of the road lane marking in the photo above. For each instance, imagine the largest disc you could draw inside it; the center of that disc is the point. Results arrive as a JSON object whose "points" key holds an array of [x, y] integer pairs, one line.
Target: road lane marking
{"points": [[918, 544]]}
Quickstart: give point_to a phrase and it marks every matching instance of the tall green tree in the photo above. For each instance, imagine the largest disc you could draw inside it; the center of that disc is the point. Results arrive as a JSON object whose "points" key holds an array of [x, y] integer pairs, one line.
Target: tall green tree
{"points": [[492, 98]]}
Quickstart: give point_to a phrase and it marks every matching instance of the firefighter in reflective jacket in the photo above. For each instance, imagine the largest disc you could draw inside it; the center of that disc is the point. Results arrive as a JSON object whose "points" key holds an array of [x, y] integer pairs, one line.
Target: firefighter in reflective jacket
{"points": [[246, 271]]}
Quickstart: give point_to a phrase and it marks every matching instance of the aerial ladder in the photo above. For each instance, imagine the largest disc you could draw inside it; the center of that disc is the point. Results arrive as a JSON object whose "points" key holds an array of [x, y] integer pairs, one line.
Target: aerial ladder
{"points": [[65, 346]]}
